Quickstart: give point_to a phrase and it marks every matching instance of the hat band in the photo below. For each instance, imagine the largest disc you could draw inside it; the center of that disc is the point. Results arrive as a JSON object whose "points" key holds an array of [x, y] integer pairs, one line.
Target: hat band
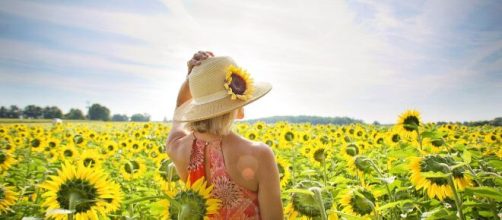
{"points": [[211, 97]]}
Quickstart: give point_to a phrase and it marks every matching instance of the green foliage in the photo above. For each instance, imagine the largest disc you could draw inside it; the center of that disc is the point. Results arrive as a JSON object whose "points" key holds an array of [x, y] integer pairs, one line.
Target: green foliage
{"points": [[98, 112]]}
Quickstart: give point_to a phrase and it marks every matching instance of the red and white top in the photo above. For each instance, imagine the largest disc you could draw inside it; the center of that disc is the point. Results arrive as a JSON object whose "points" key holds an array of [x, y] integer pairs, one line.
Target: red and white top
{"points": [[237, 202]]}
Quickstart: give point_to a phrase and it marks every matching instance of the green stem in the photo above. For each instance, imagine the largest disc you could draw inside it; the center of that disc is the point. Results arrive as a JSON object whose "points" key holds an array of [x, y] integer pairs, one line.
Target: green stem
{"points": [[458, 202], [324, 171], [318, 198], [386, 186], [419, 139], [73, 205]]}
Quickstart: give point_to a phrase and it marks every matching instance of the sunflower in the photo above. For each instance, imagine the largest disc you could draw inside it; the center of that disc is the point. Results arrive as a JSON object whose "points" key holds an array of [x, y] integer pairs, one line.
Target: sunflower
{"points": [[319, 154], [251, 134], [89, 189], [359, 165], [115, 198], [238, 83], [437, 186], [68, 152], [434, 144], [133, 169], [359, 202], [195, 202], [37, 144], [6, 160], [110, 147], [135, 147], [350, 149], [7, 144], [284, 173], [306, 204], [409, 122], [7, 198], [90, 158]]}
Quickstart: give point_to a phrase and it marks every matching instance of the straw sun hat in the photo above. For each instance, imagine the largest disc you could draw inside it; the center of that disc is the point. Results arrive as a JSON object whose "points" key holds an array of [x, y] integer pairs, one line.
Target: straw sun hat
{"points": [[218, 86]]}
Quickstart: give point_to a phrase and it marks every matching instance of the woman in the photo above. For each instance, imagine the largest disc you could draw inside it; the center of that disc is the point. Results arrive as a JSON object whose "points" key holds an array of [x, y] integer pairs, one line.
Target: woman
{"points": [[244, 173]]}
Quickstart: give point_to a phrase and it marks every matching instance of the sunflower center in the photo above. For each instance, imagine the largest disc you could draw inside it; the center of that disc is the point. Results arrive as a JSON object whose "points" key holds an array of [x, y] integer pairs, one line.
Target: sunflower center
{"points": [[319, 155], [411, 122], [35, 143], [111, 147], [135, 146], [68, 153], [85, 192], [269, 142], [78, 139], [363, 206], [238, 84], [437, 142], [131, 167], [89, 162], [252, 136], [396, 138], [289, 136]]}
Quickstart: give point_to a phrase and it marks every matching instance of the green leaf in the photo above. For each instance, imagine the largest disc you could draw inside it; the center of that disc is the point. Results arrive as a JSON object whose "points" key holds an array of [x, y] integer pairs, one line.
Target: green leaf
{"points": [[428, 134], [393, 204], [438, 213], [485, 191], [466, 156], [398, 169], [497, 164]]}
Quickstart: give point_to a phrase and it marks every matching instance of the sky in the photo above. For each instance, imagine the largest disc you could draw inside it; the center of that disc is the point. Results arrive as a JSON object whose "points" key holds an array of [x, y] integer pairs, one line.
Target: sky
{"points": [[357, 58]]}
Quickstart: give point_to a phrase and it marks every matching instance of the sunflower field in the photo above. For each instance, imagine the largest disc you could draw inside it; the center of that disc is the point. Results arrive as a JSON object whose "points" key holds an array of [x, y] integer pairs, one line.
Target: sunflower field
{"points": [[105, 170]]}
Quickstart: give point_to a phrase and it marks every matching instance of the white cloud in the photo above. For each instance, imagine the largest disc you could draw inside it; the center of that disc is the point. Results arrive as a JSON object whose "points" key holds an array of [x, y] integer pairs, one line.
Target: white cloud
{"points": [[318, 58]]}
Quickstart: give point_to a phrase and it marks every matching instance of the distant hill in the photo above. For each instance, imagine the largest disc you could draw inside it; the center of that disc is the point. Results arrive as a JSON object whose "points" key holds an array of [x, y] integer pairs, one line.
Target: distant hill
{"points": [[310, 119]]}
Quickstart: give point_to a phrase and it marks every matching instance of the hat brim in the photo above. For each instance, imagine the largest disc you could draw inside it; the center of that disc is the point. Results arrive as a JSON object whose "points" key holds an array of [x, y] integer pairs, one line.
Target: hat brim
{"points": [[190, 111]]}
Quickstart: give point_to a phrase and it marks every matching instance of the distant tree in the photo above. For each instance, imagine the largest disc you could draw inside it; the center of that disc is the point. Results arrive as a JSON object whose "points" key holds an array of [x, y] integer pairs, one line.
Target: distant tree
{"points": [[119, 117], [14, 112], [376, 123], [32, 111], [98, 112], [4, 112], [52, 112], [497, 121], [140, 117], [74, 114]]}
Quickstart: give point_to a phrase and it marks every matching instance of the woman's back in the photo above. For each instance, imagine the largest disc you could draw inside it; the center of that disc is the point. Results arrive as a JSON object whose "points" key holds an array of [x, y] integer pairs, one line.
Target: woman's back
{"points": [[207, 160]]}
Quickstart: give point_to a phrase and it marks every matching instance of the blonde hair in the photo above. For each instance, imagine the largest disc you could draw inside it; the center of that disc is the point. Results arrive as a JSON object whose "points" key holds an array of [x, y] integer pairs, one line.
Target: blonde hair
{"points": [[219, 125]]}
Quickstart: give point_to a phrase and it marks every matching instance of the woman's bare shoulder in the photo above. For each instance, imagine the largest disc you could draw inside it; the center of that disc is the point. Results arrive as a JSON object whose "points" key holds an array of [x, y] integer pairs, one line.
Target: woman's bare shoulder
{"points": [[255, 147]]}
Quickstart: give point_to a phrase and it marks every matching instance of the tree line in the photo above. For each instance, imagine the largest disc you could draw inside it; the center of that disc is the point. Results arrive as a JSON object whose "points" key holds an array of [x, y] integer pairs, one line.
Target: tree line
{"points": [[95, 112]]}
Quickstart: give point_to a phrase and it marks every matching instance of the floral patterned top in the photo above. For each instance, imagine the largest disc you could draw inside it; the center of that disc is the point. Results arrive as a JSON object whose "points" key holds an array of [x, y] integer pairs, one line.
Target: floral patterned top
{"points": [[237, 202]]}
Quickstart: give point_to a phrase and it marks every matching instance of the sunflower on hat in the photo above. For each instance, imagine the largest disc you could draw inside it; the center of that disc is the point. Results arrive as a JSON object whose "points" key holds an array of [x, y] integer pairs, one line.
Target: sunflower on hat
{"points": [[238, 83]]}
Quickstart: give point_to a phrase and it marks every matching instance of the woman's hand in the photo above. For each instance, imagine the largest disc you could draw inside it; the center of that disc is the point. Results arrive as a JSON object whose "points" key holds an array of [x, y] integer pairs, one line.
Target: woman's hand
{"points": [[197, 59]]}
